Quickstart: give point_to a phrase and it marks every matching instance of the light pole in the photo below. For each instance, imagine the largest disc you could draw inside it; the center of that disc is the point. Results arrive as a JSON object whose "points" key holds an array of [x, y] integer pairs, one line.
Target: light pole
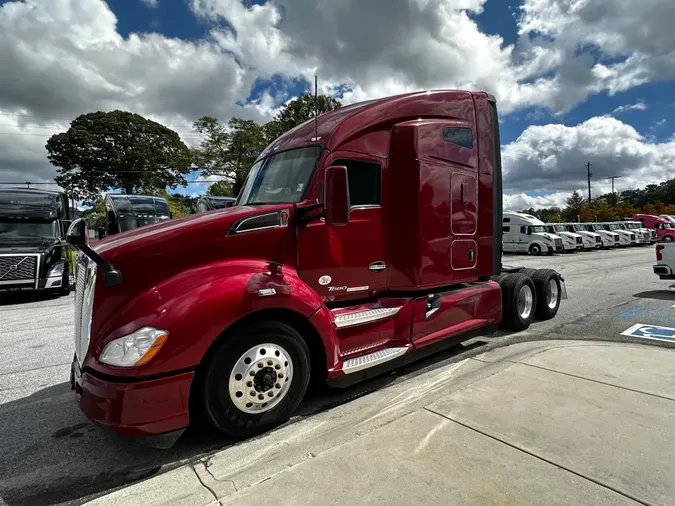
{"points": [[590, 174], [613, 178]]}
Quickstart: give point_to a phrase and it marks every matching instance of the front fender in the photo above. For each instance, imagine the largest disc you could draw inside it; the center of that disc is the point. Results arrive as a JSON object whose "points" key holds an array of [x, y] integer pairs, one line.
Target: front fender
{"points": [[197, 305]]}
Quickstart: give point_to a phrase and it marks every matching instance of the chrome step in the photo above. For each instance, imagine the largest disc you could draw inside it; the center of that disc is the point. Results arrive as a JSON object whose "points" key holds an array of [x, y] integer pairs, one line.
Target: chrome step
{"points": [[361, 317], [372, 359]]}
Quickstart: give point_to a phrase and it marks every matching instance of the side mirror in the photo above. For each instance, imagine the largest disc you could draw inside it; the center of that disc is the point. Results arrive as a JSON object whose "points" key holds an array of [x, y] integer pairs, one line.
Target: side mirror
{"points": [[336, 196], [78, 233]]}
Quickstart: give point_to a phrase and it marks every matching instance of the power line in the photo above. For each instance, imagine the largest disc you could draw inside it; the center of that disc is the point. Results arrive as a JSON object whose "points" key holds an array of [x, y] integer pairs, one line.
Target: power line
{"points": [[21, 115], [192, 181]]}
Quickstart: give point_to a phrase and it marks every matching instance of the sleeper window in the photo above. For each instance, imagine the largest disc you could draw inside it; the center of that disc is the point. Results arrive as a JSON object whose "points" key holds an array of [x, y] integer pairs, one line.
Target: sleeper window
{"points": [[364, 182]]}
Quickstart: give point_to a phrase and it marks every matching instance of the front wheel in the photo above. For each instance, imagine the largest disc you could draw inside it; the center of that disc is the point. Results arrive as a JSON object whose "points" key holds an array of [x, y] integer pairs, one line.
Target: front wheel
{"points": [[667, 239], [256, 379], [535, 249]]}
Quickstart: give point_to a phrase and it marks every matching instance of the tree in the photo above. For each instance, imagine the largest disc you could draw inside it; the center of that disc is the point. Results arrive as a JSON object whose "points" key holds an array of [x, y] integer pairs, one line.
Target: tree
{"points": [[221, 189], [108, 150], [299, 110], [228, 150], [575, 203], [179, 205]]}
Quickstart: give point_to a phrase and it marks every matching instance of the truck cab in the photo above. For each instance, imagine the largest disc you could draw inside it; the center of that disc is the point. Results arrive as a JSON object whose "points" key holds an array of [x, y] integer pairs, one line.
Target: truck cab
{"points": [[610, 239], [643, 235], [209, 203], [128, 212], [572, 241], [34, 254], [524, 233], [317, 274], [626, 238], [590, 240], [663, 228]]}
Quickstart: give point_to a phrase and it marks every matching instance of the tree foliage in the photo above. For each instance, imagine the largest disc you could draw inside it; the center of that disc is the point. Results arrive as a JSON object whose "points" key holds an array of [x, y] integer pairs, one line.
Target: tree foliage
{"points": [[221, 189], [110, 150], [230, 150]]}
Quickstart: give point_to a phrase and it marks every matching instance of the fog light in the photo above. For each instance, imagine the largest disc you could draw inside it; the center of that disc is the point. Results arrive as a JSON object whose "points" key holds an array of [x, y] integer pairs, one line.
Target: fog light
{"points": [[135, 349]]}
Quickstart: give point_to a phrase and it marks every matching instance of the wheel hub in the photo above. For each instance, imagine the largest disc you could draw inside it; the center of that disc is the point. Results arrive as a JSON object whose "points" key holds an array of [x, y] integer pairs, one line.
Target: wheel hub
{"points": [[260, 378]]}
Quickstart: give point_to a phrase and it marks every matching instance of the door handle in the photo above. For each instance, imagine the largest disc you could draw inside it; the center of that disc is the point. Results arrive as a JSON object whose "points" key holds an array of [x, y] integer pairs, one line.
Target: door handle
{"points": [[470, 255]]}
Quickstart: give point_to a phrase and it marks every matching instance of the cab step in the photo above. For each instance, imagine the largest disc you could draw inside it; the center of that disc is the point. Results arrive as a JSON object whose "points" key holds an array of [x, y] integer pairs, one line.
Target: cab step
{"points": [[350, 319], [378, 357]]}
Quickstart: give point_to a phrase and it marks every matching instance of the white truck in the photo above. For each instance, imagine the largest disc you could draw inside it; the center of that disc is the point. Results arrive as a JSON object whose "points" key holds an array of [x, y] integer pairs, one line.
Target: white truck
{"points": [[609, 239], [590, 240], [524, 233], [626, 237], [643, 235], [571, 240], [665, 261]]}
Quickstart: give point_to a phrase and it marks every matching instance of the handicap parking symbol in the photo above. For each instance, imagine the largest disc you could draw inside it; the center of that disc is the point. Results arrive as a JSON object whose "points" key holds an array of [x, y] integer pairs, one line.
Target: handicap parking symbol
{"points": [[654, 332]]}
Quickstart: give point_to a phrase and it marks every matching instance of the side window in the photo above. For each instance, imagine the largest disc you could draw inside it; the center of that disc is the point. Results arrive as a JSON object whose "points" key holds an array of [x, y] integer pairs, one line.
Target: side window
{"points": [[365, 182], [461, 136], [507, 220], [506, 229], [523, 229]]}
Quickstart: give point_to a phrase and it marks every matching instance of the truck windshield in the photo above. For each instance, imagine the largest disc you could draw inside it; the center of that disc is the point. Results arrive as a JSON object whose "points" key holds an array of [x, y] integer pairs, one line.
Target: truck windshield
{"points": [[614, 226], [580, 228], [537, 229], [560, 228], [27, 229], [280, 178]]}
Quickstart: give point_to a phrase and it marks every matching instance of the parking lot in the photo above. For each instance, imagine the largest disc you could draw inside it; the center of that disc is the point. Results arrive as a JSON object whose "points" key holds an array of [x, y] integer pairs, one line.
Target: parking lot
{"points": [[52, 454]]}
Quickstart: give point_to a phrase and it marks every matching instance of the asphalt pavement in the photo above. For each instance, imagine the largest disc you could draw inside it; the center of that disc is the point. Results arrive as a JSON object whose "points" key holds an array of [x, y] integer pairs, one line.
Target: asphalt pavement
{"points": [[51, 454]]}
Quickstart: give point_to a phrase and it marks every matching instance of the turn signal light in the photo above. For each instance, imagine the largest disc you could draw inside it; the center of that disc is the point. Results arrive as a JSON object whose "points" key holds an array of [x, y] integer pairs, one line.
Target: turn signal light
{"points": [[659, 256]]}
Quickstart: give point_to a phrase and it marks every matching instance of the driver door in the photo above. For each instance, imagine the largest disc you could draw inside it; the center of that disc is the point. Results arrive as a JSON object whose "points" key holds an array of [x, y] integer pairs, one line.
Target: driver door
{"points": [[348, 262]]}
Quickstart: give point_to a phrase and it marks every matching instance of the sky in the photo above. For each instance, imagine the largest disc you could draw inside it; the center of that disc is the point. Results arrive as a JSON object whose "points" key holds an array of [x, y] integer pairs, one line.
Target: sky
{"points": [[576, 81]]}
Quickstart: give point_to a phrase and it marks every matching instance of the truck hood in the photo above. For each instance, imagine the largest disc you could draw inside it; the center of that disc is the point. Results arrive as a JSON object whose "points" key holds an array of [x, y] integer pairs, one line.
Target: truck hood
{"points": [[569, 235], [27, 244], [546, 235], [589, 234]]}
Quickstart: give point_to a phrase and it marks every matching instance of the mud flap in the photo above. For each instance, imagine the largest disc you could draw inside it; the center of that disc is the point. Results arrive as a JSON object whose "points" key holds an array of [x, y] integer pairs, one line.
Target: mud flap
{"points": [[563, 288]]}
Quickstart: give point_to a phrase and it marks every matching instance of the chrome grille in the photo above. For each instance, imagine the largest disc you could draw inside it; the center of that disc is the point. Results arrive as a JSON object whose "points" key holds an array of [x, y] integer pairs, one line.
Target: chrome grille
{"points": [[84, 304], [18, 268], [578, 240], [597, 239], [558, 243]]}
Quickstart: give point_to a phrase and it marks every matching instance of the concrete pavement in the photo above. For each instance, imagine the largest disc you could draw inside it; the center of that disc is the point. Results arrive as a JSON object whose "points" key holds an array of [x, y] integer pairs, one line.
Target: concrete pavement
{"points": [[547, 422]]}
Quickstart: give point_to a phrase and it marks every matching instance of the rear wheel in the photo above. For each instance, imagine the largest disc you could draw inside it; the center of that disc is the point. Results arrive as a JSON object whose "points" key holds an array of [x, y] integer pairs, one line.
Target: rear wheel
{"points": [[256, 379], [667, 239], [535, 249], [518, 301], [549, 293]]}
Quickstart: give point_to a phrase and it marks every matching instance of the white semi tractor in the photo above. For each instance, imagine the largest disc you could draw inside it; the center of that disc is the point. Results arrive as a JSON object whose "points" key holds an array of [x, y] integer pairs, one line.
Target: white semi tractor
{"points": [[609, 238], [571, 240], [524, 233]]}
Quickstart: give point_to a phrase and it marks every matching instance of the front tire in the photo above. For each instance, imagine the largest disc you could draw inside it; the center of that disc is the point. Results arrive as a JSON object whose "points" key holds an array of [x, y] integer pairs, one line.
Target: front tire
{"points": [[667, 239], [535, 250], [256, 379]]}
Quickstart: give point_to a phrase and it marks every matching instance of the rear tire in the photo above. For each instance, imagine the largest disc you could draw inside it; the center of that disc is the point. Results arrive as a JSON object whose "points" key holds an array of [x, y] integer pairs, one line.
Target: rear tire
{"points": [[535, 250], [232, 377], [549, 293], [518, 301], [667, 239], [528, 272]]}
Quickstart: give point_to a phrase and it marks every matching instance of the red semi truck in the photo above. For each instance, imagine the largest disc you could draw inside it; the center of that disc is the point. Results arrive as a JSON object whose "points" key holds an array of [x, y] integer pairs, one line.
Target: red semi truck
{"points": [[367, 238]]}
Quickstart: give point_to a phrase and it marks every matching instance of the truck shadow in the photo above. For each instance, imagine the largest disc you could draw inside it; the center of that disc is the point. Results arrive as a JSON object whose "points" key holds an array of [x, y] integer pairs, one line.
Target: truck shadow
{"points": [[19, 298], [656, 295], [53, 454]]}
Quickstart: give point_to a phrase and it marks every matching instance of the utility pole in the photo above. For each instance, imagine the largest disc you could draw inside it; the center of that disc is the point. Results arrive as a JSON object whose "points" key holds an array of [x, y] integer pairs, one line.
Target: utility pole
{"points": [[613, 178], [28, 184], [590, 174]]}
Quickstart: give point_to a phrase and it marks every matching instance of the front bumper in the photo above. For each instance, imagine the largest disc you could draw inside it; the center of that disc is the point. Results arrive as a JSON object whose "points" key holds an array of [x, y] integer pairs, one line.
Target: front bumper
{"points": [[43, 284], [134, 408]]}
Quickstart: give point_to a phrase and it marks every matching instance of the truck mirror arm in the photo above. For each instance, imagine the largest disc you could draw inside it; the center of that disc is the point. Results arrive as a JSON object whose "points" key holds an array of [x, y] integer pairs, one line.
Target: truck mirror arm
{"points": [[111, 276], [305, 214]]}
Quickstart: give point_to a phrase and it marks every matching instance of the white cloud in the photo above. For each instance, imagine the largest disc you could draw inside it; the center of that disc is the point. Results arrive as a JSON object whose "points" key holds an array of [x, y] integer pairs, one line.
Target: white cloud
{"points": [[151, 3], [554, 157], [520, 201], [638, 106]]}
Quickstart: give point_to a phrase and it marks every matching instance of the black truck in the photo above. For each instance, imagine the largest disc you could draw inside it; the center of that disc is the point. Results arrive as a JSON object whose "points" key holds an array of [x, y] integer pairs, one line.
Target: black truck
{"points": [[33, 252], [209, 203], [127, 212]]}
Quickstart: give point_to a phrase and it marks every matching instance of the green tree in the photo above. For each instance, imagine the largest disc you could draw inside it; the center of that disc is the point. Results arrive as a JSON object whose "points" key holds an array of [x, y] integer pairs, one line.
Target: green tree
{"points": [[221, 189], [228, 150], [179, 205], [297, 111], [108, 150], [575, 204]]}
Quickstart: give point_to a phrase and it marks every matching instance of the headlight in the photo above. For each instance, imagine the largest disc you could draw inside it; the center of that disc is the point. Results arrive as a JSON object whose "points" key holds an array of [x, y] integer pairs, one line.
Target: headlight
{"points": [[135, 349], [56, 270]]}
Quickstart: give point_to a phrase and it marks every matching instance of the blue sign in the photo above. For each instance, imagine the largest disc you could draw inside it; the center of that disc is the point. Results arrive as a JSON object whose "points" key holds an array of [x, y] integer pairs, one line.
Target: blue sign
{"points": [[651, 332]]}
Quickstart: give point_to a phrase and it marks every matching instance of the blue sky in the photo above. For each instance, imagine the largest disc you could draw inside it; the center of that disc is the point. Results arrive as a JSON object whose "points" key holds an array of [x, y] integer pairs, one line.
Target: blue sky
{"points": [[575, 82]]}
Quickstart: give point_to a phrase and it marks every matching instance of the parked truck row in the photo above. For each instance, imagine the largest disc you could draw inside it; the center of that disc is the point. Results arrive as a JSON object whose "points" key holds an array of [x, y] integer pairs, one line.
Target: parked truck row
{"points": [[524, 233]]}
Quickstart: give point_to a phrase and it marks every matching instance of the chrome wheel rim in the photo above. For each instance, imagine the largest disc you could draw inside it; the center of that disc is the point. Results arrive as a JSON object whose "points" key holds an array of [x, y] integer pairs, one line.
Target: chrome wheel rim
{"points": [[525, 302], [552, 296], [536, 250], [261, 378]]}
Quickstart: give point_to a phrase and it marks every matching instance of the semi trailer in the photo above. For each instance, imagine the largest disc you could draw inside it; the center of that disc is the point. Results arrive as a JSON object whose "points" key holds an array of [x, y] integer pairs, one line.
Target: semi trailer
{"points": [[319, 273]]}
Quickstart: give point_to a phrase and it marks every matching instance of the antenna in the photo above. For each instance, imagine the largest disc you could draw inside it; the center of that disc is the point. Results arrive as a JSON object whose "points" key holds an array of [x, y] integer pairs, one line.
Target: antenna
{"points": [[316, 108]]}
